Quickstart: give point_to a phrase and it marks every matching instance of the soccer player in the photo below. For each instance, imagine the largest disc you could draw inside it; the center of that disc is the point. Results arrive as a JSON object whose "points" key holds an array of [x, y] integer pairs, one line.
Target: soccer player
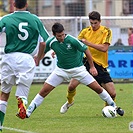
{"points": [[23, 31], [69, 52], [98, 39]]}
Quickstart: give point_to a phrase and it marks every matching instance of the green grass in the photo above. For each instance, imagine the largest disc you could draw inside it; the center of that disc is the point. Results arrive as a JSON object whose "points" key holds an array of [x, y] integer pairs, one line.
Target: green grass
{"points": [[84, 117]]}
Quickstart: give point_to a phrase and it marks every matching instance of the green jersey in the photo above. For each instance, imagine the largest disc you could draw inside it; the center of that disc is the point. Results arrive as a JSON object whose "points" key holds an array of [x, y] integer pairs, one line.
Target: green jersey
{"points": [[69, 53], [22, 31]]}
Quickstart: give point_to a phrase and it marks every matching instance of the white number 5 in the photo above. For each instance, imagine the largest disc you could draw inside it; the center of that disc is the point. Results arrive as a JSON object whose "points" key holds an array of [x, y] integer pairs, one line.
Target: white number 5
{"points": [[21, 29]]}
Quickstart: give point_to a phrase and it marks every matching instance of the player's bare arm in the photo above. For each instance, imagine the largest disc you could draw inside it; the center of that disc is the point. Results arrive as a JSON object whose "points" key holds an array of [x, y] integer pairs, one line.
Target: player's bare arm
{"points": [[101, 47], [40, 54], [93, 70]]}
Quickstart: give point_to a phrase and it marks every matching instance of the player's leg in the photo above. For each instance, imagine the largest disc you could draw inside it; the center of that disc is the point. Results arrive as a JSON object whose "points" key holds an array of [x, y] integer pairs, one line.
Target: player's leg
{"points": [[24, 77], [111, 90], [22, 92], [90, 82], [93, 84], [102, 93], [104, 79], [4, 96], [52, 81], [71, 92], [109, 87], [7, 81], [38, 99], [79, 74]]}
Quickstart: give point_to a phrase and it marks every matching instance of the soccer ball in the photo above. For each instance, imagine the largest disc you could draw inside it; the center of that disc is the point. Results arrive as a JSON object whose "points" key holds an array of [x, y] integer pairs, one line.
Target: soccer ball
{"points": [[109, 112]]}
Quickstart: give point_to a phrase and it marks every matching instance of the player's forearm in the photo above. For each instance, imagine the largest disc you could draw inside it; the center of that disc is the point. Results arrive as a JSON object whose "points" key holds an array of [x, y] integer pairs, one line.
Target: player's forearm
{"points": [[92, 70], [89, 58], [41, 50], [90, 61], [100, 47]]}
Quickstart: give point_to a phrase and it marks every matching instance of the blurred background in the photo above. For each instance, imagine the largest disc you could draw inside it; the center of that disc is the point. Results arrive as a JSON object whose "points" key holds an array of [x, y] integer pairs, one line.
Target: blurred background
{"points": [[116, 14], [72, 7], [73, 14]]}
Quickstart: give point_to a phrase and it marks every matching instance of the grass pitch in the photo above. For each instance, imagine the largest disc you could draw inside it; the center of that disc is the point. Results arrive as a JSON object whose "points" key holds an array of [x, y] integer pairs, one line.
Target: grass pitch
{"points": [[83, 117]]}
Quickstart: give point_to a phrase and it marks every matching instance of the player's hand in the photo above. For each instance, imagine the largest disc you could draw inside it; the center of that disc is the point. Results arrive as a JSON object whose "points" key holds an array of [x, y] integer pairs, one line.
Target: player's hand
{"points": [[93, 71], [53, 54], [85, 42], [36, 60]]}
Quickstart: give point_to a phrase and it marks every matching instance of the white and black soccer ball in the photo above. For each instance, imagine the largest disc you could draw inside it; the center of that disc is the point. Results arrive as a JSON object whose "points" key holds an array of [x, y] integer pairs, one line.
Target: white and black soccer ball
{"points": [[109, 112]]}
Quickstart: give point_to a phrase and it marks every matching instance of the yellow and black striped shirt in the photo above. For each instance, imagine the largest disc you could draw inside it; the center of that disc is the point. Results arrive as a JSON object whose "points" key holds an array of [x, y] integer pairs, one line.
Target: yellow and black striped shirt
{"points": [[100, 36]]}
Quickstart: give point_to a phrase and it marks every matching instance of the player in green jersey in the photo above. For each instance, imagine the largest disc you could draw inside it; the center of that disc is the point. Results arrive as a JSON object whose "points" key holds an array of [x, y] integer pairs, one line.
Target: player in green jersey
{"points": [[69, 52], [23, 33]]}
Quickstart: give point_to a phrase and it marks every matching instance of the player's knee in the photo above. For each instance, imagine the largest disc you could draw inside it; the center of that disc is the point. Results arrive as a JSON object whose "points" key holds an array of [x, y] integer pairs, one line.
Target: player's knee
{"points": [[113, 95], [71, 87], [98, 90]]}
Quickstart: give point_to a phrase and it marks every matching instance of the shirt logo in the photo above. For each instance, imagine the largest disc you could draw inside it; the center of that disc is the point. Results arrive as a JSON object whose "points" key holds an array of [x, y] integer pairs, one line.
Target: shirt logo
{"points": [[69, 46]]}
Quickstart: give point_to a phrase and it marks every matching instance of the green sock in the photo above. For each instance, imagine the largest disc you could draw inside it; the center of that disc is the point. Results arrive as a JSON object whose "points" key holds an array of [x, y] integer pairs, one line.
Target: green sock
{"points": [[1, 119]]}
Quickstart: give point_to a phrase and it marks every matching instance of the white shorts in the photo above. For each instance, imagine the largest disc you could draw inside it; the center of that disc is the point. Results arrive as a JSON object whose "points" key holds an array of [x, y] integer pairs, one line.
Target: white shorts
{"points": [[79, 73], [17, 68]]}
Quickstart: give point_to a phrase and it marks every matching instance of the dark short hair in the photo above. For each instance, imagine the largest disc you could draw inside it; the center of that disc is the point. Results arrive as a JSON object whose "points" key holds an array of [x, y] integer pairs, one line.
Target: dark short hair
{"points": [[94, 15], [20, 3], [131, 29], [57, 28]]}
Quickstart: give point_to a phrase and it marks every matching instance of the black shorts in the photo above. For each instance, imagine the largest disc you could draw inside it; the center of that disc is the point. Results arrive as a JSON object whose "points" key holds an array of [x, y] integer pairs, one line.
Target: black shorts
{"points": [[103, 75]]}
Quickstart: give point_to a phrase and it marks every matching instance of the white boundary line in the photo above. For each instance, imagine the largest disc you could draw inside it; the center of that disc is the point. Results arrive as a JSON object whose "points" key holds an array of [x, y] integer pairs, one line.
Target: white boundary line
{"points": [[17, 130]]}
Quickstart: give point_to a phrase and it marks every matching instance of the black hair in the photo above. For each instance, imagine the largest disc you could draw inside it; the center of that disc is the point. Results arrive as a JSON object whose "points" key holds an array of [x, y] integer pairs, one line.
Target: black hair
{"points": [[20, 3], [131, 29], [94, 15], [57, 28]]}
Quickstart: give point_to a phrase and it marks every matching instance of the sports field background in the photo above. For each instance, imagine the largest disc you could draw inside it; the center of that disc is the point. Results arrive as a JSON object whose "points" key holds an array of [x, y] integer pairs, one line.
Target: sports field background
{"points": [[83, 117]]}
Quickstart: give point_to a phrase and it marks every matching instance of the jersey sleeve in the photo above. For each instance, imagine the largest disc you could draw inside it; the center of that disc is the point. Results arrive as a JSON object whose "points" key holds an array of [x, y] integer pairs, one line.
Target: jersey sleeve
{"points": [[40, 39], [81, 46], [2, 27], [108, 36], [42, 30], [81, 34], [78, 44]]}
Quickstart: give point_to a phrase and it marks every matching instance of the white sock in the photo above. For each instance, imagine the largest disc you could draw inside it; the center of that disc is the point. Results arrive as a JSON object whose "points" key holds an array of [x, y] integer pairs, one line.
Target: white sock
{"points": [[34, 104], [3, 106], [38, 99], [107, 98]]}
